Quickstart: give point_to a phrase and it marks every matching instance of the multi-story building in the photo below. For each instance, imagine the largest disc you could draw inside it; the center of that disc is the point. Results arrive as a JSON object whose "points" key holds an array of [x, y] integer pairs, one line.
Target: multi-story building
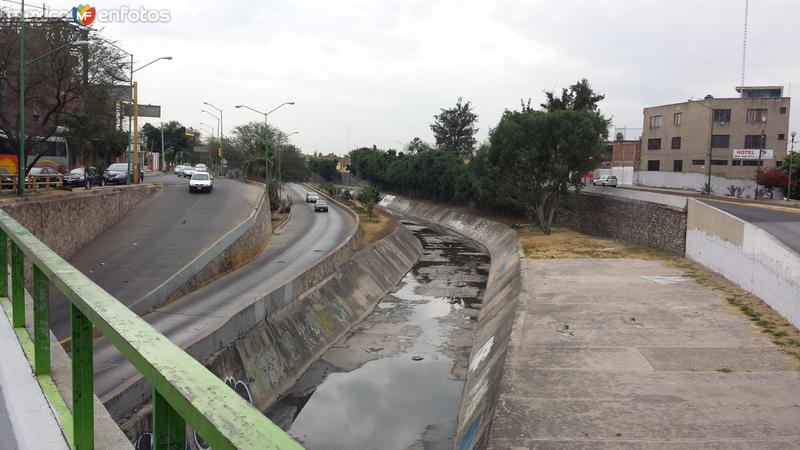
{"points": [[689, 136]]}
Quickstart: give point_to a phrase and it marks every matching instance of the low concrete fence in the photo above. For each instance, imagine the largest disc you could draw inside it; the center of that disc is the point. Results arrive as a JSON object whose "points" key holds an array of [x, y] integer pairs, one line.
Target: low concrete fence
{"points": [[631, 221], [492, 339], [746, 255], [232, 250], [66, 223]]}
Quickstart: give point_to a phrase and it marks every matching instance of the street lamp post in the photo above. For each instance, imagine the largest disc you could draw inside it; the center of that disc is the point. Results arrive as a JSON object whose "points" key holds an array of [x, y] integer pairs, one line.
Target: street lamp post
{"points": [[789, 189], [22, 163], [210, 128], [710, 143], [136, 120], [266, 142], [219, 132], [219, 121], [760, 153]]}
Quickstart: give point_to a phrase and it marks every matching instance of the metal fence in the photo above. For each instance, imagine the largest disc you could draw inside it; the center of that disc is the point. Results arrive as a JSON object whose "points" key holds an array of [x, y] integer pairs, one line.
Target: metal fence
{"points": [[184, 391]]}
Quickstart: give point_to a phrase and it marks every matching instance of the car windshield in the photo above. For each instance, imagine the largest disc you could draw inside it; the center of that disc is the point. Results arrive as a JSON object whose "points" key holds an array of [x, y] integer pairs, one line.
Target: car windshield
{"points": [[200, 176], [78, 171], [121, 167], [321, 202]]}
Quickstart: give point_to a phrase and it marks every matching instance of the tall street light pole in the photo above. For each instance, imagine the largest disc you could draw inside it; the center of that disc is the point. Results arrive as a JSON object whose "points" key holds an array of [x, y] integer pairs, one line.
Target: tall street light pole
{"points": [[219, 132], [760, 153], [210, 128], [266, 142], [710, 143], [136, 119], [789, 190]]}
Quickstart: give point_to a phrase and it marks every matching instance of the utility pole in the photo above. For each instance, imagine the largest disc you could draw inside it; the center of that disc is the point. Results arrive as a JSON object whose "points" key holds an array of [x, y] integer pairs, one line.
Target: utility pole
{"points": [[760, 154], [162, 162], [135, 132], [22, 163], [789, 189]]}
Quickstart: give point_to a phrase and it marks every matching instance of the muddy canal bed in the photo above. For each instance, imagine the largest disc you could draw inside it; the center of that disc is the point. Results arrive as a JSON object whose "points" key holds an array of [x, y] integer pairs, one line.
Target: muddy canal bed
{"points": [[395, 381]]}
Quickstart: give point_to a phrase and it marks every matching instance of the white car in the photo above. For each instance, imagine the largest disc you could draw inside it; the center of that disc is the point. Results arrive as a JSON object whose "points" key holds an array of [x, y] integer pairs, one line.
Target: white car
{"points": [[200, 167], [201, 181], [311, 197], [188, 171], [605, 180]]}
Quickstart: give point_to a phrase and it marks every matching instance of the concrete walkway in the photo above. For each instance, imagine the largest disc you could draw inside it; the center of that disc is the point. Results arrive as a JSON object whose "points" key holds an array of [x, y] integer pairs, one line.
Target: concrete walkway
{"points": [[624, 353], [26, 420]]}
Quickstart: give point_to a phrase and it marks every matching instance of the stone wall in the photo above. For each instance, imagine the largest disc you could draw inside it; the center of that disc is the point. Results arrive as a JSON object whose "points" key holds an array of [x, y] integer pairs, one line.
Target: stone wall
{"points": [[626, 220], [67, 222], [492, 337]]}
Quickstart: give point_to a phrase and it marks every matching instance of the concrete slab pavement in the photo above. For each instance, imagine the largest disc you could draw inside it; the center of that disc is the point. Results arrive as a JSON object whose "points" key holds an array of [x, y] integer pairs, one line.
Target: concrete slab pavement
{"points": [[627, 353]]}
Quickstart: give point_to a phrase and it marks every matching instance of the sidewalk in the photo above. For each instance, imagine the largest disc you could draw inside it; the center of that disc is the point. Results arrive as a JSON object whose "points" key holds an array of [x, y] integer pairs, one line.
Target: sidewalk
{"points": [[26, 420], [629, 353]]}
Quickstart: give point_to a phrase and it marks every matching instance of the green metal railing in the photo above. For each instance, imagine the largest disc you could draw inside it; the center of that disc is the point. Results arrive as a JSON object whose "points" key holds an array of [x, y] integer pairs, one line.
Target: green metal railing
{"points": [[184, 391]]}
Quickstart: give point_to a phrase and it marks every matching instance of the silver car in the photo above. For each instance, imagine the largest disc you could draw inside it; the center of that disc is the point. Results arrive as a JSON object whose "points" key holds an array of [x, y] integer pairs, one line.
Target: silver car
{"points": [[202, 182], [605, 180]]}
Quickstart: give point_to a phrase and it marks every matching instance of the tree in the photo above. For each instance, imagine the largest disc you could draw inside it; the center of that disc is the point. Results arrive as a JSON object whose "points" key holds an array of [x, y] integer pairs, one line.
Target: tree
{"points": [[579, 97], [535, 157], [417, 145], [324, 167], [773, 178], [792, 163], [454, 129], [293, 164]]}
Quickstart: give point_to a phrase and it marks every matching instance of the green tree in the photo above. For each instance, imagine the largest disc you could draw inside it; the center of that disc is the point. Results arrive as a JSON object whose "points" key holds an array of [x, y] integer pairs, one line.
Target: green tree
{"points": [[454, 129], [417, 145], [793, 162], [535, 157], [324, 167], [293, 164], [578, 97]]}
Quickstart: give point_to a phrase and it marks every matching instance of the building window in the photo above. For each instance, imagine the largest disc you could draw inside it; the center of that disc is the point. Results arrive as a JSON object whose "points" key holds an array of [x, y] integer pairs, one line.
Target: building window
{"points": [[655, 121], [722, 115], [677, 118], [719, 162], [756, 114], [698, 162], [752, 162], [677, 165], [754, 141], [736, 162], [653, 165], [676, 143], [781, 137], [720, 141], [778, 163], [783, 110], [654, 144]]}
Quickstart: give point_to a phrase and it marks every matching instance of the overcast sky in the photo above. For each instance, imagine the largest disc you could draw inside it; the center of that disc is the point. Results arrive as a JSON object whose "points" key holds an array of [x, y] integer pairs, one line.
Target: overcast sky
{"points": [[382, 69]]}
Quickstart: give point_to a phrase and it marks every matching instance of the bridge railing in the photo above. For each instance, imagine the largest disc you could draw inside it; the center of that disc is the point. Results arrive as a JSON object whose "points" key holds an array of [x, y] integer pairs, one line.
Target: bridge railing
{"points": [[184, 391]]}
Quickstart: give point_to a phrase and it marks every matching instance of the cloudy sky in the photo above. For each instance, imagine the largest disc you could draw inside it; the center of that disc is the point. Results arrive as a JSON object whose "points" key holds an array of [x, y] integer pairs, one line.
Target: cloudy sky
{"points": [[382, 69]]}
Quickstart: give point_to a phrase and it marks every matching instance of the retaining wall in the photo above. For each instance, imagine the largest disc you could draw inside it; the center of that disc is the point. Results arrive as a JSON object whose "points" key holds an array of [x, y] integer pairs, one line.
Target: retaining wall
{"points": [[493, 334], [67, 222], [631, 221], [234, 249], [746, 255]]}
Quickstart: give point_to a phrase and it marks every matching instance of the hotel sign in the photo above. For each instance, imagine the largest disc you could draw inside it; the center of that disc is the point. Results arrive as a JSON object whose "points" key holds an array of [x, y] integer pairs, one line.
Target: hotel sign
{"points": [[752, 153]]}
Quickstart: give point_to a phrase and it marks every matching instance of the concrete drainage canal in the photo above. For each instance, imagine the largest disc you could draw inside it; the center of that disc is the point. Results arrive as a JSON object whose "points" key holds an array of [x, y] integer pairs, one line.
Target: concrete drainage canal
{"points": [[395, 381]]}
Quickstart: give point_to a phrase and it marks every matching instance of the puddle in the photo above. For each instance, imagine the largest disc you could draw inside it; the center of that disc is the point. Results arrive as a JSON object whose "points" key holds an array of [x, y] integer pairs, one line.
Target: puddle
{"points": [[372, 390]]}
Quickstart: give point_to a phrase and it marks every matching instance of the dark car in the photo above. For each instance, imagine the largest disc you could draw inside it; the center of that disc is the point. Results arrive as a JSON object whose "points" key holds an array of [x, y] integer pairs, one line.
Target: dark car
{"points": [[43, 177], [117, 173], [84, 176]]}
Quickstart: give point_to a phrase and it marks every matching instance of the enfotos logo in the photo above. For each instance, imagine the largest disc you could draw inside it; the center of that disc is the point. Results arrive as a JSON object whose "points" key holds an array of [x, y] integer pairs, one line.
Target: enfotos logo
{"points": [[84, 15]]}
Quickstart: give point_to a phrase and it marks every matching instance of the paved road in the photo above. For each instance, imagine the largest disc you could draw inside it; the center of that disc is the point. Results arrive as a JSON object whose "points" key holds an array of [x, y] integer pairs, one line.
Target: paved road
{"points": [[156, 239], [785, 226], [306, 239]]}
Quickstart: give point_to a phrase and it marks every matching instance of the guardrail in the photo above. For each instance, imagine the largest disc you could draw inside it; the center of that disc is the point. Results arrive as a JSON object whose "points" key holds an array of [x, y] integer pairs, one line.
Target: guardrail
{"points": [[32, 182], [184, 391]]}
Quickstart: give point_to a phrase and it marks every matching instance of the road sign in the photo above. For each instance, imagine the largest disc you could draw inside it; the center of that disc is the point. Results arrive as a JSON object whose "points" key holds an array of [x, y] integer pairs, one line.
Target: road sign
{"points": [[144, 110], [752, 153], [121, 93]]}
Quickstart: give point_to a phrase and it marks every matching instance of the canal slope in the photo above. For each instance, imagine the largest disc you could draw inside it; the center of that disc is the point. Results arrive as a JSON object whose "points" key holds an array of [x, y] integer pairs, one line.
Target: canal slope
{"points": [[397, 378]]}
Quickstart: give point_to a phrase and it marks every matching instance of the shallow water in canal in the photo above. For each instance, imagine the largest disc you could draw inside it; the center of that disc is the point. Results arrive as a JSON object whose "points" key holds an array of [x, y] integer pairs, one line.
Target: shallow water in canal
{"points": [[395, 381]]}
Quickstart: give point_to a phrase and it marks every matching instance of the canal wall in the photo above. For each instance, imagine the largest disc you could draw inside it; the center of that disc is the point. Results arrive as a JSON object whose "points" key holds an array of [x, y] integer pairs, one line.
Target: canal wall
{"points": [[501, 297]]}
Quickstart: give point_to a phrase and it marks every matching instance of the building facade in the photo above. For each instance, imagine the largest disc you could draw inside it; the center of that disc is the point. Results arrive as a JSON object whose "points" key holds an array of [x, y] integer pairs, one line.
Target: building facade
{"points": [[692, 136]]}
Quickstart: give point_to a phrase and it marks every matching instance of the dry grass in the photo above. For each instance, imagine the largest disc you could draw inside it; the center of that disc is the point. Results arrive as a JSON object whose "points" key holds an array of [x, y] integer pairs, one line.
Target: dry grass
{"points": [[375, 228], [565, 243]]}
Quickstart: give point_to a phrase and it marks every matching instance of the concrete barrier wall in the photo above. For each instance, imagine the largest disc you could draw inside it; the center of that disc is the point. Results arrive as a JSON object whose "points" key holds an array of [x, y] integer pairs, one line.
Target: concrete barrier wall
{"points": [[493, 334], [693, 181], [231, 251], [67, 222], [746, 255], [631, 221]]}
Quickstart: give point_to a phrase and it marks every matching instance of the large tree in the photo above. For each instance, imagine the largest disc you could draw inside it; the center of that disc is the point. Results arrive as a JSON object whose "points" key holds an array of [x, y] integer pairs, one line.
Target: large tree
{"points": [[454, 129], [578, 97], [535, 157]]}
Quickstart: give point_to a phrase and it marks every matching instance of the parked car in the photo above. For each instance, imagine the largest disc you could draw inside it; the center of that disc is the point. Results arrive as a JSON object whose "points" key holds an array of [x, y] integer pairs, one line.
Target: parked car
{"points": [[605, 180], [84, 176], [188, 171], [201, 181], [117, 173], [200, 167], [311, 197], [179, 170], [43, 175], [321, 206]]}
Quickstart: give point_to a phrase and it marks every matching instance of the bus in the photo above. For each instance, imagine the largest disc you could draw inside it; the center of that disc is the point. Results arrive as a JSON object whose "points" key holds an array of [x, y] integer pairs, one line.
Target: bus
{"points": [[51, 152]]}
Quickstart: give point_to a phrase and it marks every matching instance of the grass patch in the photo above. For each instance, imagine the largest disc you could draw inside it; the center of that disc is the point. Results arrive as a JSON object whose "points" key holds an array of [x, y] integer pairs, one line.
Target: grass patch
{"points": [[724, 370], [564, 243], [375, 228]]}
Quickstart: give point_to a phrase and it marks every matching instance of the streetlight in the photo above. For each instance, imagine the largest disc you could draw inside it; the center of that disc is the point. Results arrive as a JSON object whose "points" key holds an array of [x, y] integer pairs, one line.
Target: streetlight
{"points": [[210, 128], [789, 190], [266, 143], [22, 163], [710, 142], [220, 132], [760, 153]]}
